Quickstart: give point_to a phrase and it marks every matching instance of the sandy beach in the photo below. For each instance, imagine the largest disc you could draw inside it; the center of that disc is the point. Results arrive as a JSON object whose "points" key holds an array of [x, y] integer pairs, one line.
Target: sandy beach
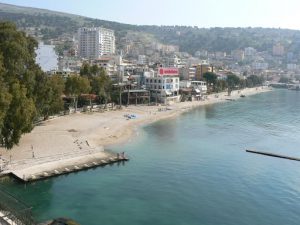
{"points": [[79, 137]]}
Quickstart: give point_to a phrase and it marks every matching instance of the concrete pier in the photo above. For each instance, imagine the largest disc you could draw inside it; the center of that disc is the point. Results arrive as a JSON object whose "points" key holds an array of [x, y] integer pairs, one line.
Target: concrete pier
{"points": [[57, 168]]}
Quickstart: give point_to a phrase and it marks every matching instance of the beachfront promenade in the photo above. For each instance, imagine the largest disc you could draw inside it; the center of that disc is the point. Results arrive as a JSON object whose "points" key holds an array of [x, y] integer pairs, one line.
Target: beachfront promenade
{"points": [[77, 141]]}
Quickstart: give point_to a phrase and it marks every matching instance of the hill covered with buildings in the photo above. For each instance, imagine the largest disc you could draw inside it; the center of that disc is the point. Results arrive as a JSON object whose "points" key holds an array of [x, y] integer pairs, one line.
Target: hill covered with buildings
{"points": [[50, 24], [243, 51]]}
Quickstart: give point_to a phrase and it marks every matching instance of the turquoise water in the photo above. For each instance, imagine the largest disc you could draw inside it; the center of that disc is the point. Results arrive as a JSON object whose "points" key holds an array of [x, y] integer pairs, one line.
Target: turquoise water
{"points": [[191, 170]]}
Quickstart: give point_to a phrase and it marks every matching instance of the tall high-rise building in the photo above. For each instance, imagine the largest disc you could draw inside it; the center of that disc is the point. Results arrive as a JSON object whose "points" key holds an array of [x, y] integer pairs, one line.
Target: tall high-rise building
{"points": [[95, 42]]}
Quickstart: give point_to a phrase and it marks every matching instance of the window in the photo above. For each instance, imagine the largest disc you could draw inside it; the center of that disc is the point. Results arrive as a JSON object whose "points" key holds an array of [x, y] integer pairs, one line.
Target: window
{"points": [[159, 81]]}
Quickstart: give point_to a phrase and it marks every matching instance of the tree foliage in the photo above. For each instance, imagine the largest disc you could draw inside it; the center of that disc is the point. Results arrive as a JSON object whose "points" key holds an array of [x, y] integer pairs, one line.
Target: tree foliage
{"points": [[76, 85], [254, 80], [49, 91], [210, 78], [233, 82], [21, 83], [284, 79], [19, 116], [221, 85]]}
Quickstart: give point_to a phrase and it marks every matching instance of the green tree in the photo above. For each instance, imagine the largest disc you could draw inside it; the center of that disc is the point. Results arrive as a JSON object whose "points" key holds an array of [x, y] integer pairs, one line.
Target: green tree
{"points": [[24, 87], [232, 82], [76, 85], [5, 98], [254, 80], [85, 70], [102, 86], [17, 81], [90, 71], [284, 80], [19, 116], [221, 85], [49, 93], [210, 78], [243, 83]]}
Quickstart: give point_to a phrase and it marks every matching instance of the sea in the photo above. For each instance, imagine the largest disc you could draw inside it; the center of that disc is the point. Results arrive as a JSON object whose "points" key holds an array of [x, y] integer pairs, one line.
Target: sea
{"points": [[190, 170]]}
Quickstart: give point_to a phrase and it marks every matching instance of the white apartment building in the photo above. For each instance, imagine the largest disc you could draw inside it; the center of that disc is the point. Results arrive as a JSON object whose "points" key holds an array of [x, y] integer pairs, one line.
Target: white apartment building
{"points": [[164, 87], [142, 60], [95, 42], [198, 86], [260, 66], [250, 51]]}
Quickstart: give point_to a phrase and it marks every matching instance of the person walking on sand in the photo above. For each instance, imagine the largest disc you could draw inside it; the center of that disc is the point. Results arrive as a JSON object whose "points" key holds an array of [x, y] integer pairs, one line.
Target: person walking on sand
{"points": [[32, 152]]}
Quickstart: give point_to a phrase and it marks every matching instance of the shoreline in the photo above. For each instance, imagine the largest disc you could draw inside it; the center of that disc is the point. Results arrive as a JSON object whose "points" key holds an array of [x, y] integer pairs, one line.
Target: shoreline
{"points": [[81, 135], [184, 107]]}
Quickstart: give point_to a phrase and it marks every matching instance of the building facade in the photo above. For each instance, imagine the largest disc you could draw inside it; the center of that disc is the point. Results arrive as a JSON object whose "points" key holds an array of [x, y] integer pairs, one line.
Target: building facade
{"points": [[95, 42], [164, 86], [278, 50], [201, 69]]}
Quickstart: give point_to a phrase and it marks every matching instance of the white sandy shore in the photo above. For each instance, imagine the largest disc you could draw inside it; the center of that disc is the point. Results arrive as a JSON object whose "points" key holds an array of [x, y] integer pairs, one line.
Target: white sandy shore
{"points": [[81, 135]]}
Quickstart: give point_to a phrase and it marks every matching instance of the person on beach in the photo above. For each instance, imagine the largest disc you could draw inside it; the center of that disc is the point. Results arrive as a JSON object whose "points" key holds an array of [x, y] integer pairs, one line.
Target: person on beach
{"points": [[32, 151]]}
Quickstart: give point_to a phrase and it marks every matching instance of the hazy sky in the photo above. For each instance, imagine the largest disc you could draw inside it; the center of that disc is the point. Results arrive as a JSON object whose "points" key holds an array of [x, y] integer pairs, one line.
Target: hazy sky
{"points": [[208, 13]]}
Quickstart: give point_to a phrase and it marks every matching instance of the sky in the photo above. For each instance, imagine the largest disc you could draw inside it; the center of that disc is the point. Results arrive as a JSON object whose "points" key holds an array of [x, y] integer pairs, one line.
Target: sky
{"points": [[208, 13]]}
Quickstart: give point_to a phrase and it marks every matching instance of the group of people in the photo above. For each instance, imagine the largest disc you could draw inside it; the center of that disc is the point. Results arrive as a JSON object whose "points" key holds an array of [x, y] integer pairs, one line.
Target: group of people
{"points": [[121, 155]]}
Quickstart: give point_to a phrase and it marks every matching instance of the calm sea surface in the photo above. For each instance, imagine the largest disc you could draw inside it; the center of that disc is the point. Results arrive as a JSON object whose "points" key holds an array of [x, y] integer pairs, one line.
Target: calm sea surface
{"points": [[190, 170]]}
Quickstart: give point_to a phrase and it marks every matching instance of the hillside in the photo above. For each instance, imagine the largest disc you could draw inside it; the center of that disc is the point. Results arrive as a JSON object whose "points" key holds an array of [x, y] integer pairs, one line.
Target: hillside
{"points": [[54, 24]]}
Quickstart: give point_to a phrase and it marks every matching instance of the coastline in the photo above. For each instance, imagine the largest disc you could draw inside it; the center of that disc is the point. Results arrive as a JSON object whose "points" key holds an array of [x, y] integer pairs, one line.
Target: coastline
{"points": [[81, 137]]}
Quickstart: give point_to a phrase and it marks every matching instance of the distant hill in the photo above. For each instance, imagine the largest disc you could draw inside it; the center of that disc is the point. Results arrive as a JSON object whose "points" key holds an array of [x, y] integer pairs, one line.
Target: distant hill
{"points": [[189, 39]]}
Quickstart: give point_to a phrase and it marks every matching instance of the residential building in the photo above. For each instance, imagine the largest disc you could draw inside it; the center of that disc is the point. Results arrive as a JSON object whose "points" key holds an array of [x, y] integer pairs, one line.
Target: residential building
{"points": [[164, 86], [109, 64], [69, 64], [260, 66], [238, 55], [278, 50], [292, 67], [198, 86], [249, 52], [187, 73], [142, 60], [201, 69], [95, 42], [220, 55]]}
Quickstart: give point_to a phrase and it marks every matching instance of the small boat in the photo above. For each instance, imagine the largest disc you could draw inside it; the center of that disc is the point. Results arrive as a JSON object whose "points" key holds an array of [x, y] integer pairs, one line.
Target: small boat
{"points": [[243, 96]]}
